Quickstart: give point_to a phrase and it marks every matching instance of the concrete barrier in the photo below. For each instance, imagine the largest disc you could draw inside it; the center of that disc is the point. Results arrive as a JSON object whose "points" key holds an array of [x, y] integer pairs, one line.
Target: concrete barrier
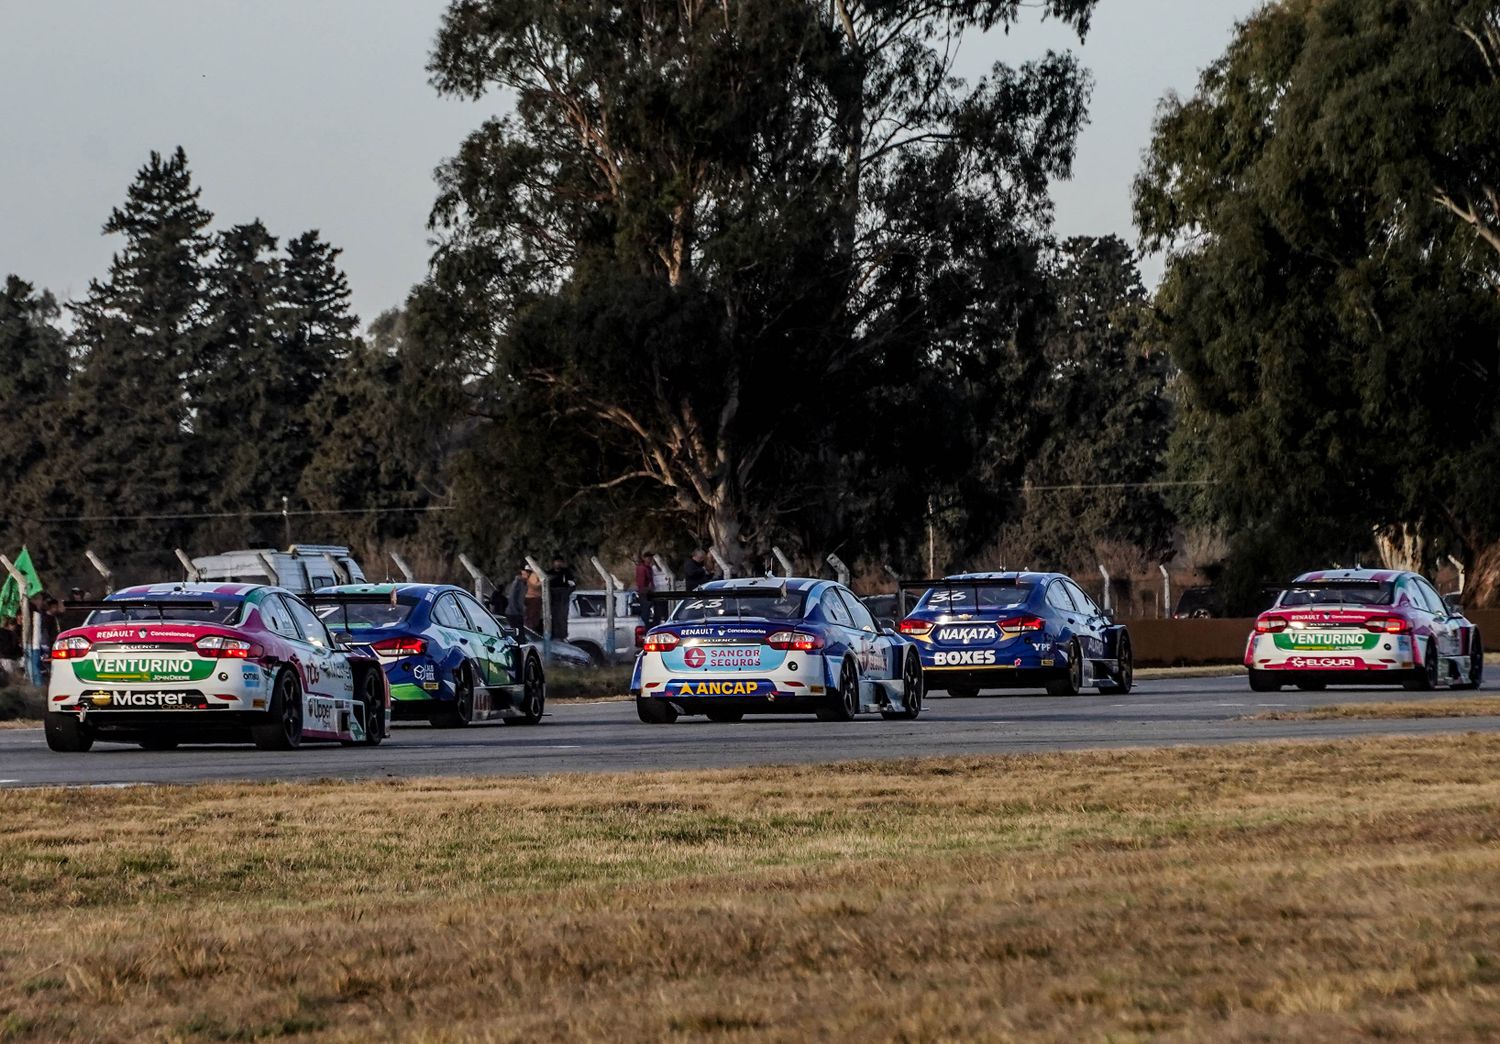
{"points": [[1175, 643]]}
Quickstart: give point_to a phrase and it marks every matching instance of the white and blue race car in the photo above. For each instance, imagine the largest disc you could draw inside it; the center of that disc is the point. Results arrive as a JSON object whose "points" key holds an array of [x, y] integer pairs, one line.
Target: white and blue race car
{"points": [[772, 646]]}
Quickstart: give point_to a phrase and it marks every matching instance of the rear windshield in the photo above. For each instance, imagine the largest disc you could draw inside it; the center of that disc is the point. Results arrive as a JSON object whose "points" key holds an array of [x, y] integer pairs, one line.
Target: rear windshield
{"points": [[967, 599], [365, 616], [1339, 592], [769, 606], [226, 611]]}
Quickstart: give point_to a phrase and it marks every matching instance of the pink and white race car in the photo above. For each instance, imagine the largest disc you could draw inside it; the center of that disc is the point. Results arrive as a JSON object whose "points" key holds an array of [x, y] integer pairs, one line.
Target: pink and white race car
{"points": [[1363, 627], [163, 664]]}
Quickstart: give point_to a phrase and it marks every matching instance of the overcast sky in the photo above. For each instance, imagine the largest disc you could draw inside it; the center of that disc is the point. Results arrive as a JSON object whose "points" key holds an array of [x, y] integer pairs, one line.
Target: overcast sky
{"points": [[318, 114]]}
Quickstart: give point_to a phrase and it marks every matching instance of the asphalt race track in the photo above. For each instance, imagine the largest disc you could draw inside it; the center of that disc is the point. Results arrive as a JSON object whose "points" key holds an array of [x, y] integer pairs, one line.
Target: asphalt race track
{"points": [[606, 737]]}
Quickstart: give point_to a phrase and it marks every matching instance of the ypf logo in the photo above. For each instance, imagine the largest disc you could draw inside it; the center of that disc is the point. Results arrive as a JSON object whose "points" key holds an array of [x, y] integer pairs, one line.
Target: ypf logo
{"points": [[695, 657]]}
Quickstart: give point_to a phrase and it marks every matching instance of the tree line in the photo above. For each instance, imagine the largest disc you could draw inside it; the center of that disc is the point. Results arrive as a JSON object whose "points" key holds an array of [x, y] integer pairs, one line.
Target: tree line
{"points": [[752, 273]]}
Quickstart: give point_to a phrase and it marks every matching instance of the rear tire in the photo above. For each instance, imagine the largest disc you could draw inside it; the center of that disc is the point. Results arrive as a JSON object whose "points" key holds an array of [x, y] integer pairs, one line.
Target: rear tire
{"points": [[368, 698], [1476, 663], [845, 704], [1263, 681], [913, 690], [1425, 677], [66, 734], [284, 730], [654, 712], [1123, 680], [533, 694], [461, 713], [724, 715], [1072, 681]]}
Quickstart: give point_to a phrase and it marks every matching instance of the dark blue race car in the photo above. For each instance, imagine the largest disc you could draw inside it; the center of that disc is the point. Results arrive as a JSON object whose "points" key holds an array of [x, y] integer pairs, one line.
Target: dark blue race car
{"points": [[789, 645], [447, 659], [1016, 630]]}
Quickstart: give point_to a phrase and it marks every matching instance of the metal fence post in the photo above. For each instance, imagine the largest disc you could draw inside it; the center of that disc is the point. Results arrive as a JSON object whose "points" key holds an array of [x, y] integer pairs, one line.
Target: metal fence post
{"points": [[786, 563], [840, 568], [406, 572], [1105, 573], [671, 576], [271, 574], [103, 570], [609, 606], [188, 568], [726, 571], [1166, 592], [536, 567], [1460, 567]]}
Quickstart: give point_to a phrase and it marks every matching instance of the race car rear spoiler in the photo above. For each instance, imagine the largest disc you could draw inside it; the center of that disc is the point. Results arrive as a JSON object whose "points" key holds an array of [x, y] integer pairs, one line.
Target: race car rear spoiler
{"points": [[759, 591], [940, 581], [352, 598], [201, 604]]}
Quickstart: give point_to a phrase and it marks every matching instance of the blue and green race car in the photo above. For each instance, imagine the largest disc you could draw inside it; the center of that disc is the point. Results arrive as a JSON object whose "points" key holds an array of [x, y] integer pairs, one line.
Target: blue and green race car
{"points": [[448, 661]]}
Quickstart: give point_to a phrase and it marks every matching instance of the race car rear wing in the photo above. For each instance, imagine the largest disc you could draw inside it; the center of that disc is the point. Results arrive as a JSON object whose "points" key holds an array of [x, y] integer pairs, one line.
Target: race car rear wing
{"points": [[906, 586], [200, 604], [758, 591], [352, 598]]}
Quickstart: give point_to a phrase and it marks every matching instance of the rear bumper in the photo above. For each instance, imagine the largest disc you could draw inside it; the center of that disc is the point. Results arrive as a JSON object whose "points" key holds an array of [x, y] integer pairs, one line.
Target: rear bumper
{"points": [[209, 724], [778, 704], [942, 679], [1388, 654]]}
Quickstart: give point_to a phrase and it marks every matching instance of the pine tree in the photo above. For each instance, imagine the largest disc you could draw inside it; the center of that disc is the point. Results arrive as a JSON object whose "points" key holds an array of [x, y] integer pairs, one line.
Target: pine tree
{"points": [[138, 336]]}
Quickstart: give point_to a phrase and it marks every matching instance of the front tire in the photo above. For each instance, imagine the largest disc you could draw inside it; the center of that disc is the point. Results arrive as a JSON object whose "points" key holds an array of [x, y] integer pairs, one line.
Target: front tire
{"points": [[846, 705], [66, 734], [284, 730], [1123, 680], [370, 707], [654, 712], [1072, 681], [913, 690]]}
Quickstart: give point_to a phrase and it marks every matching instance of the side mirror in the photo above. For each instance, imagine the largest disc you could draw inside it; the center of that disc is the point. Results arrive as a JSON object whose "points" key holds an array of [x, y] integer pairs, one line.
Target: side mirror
{"points": [[342, 640], [1454, 603], [886, 624]]}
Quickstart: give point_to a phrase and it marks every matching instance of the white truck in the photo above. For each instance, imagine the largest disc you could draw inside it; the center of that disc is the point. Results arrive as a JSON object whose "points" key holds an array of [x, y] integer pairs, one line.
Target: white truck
{"points": [[588, 624], [300, 568]]}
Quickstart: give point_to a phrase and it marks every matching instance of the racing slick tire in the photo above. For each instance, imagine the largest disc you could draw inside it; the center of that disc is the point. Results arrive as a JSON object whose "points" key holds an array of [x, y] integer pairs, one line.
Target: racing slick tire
{"points": [[367, 695], [963, 692], [1425, 677], [1071, 682], [1123, 680], [1263, 681], [724, 715], [158, 743], [845, 704], [1476, 664], [654, 712], [284, 729], [462, 711], [913, 689], [533, 694], [66, 734]]}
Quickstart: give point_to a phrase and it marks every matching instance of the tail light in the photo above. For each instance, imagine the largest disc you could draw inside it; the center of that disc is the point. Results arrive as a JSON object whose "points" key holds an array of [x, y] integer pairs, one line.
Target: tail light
{"points": [[911, 625], [396, 648], [1388, 625], [1022, 624], [70, 648], [640, 636], [664, 642], [1269, 624], [216, 647], [795, 641]]}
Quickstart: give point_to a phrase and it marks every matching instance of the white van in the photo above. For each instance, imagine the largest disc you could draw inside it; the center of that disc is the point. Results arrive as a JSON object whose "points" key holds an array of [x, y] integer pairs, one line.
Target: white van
{"points": [[300, 568]]}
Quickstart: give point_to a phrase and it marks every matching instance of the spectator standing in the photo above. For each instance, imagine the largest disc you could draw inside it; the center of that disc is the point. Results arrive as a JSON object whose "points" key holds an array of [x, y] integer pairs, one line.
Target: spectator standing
{"points": [[645, 585], [560, 590], [515, 599], [694, 572], [533, 601], [498, 600]]}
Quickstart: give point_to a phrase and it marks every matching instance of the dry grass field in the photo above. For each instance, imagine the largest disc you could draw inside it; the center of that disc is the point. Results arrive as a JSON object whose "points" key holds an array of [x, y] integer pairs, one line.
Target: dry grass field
{"points": [[1471, 707], [1268, 892]]}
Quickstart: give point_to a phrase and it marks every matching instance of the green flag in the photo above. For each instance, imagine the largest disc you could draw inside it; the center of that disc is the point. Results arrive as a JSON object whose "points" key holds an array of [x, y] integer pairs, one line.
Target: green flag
{"points": [[10, 599]]}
